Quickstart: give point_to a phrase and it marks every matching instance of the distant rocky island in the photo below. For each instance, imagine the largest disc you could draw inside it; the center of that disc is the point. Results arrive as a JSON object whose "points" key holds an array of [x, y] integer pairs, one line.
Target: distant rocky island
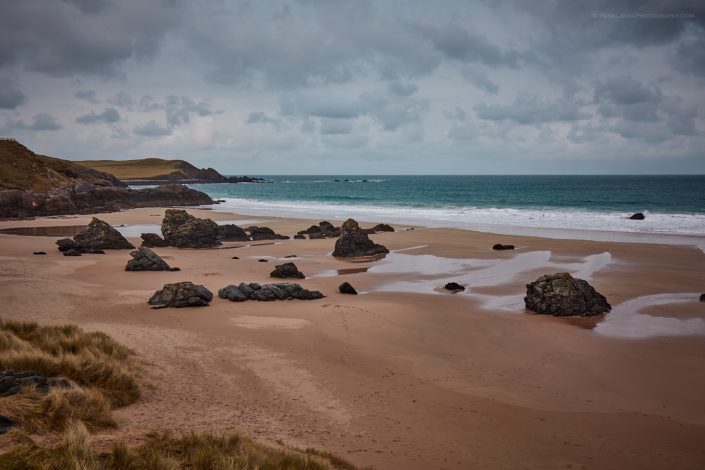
{"points": [[159, 171], [37, 185]]}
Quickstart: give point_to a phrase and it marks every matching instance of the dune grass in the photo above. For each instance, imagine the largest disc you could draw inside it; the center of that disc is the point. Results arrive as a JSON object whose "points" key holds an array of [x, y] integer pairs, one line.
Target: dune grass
{"points": [[103, 370], [194, 451]]}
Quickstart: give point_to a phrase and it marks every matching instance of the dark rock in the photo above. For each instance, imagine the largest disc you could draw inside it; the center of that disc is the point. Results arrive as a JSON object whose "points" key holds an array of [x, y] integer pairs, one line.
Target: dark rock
{"points": [[263, 260], [347, 288], [702, 297], [354, 242], [500, 247], [153, 240], [6, 424], [232, 233], [235, 257], [454, 286], [181, 294], [563, 295], [72, 252], [637, 216], [299, 236], [182, 230], [382, 228], [291, 256], [287, 270], [11, 382], [326, 226], [267, 292], [144, 259], [316, 236], [39, 253], [265, 233], [99, 235], [66, 244]]}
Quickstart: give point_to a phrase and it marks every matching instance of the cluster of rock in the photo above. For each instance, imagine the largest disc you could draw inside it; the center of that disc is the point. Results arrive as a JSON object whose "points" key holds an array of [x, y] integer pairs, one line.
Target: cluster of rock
{"points": [[95, 238], [264, 233], [287, 270], [267, 292], [144, 259], [563, 295], [181, 294], [324, 229], [11, 382], [354, 242]]}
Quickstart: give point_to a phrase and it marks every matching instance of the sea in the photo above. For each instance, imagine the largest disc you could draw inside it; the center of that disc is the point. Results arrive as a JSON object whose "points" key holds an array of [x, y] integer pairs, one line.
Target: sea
{"points": [[533, 205]]}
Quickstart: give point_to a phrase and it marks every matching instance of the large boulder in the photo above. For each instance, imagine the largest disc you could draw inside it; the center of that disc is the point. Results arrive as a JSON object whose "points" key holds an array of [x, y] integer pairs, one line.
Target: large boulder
{"points": [[267, 292], [354, 242], [99, 235], [265, 233], [144, 259], [563, 295], [287, 270], [182, 230], [232, 233], [181, 294], [153, 240]]}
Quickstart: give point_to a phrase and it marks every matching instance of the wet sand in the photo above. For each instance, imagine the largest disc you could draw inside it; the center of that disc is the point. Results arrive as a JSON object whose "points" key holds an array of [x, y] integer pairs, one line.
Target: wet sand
{"points": [[406, 375]]}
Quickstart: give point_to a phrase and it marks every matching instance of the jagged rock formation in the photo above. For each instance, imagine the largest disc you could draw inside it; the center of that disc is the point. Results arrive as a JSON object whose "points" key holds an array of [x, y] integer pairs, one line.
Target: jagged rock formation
{"points": [[324, 229], [354, 242], [563, 295], [182, 230], [181, 294], [144, 259], [153, 240], [267, 292], [287, 270], [100, 235], [36, 185]]}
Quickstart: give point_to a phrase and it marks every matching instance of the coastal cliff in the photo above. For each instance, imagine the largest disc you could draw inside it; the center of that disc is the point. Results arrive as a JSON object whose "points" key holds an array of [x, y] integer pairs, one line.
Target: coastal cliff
{"points": [[159, 170], [37, 185]]}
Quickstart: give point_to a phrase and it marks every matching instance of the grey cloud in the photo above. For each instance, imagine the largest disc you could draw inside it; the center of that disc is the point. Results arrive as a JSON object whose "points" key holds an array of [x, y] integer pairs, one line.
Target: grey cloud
{"points": [[122, 100], [528, 109], [40, 122], [10, 95], [180, 108], [336, 126], [402, 89], [87, 95], [480, 80], [260, 117], [108, 116], [152, 129]]}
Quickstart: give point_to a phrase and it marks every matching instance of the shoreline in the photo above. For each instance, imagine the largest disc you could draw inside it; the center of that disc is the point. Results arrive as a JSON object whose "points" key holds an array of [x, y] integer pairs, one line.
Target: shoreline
{"points": [[391, 378]]}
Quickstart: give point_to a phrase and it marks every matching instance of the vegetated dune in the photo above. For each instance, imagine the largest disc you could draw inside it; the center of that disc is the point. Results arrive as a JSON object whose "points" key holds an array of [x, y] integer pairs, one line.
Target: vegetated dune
{"points": [[145, 168]]}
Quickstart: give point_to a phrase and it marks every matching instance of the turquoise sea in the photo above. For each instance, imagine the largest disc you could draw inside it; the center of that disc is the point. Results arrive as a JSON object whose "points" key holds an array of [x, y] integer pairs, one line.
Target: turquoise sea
{"points": [[672, 204]]}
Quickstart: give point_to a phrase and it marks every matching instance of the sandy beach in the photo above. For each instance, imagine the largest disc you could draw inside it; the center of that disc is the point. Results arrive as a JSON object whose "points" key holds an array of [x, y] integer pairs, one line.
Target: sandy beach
{"points": [[405, 375]]}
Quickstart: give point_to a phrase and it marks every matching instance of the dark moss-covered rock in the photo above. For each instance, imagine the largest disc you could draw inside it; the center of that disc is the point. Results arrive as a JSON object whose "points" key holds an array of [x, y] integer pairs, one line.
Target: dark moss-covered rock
{"points": [[347, 288], [99, 235], [232, 233], [267, 292], [145, 259], [354, 242], [563, 295], [181, 294], [287, 270], [182, 230]]}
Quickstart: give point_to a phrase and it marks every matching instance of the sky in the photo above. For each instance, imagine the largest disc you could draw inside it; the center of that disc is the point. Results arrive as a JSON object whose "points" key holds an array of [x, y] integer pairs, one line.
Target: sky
{"points": [[360, 87]]}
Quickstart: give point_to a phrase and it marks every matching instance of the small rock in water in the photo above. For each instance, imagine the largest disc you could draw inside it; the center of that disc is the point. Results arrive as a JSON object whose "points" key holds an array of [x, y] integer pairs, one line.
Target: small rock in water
{"points": [[181, 294], [454, 286], [347, 288], [287, 270], [499, 246], [39, 253], [637, 216]]}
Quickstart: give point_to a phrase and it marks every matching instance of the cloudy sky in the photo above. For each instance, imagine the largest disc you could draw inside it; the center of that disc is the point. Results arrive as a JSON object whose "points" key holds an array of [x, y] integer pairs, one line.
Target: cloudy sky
{"points": [[360, 87]]}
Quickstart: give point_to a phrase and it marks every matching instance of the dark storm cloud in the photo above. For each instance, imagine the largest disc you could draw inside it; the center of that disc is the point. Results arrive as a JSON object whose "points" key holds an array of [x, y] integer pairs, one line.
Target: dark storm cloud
{"points": [[108, 116], [64, 38], [628, 98], [10, 95], [152, 129], [529, 109], [87, 95]]}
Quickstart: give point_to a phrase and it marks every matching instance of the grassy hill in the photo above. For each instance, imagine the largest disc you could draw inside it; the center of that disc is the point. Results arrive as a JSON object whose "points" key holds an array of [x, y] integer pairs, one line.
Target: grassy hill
{"points": [[145, 168], [20, 168]]}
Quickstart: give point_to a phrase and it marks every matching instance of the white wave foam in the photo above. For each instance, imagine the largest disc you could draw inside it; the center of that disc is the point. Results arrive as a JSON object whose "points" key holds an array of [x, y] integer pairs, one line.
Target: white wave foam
{"points": [[551, 223]]}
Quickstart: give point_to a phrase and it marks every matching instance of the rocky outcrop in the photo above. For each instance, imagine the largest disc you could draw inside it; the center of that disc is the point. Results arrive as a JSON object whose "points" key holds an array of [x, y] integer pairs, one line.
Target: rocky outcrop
{"points": [[354, 242], [181, 294], [563, 295], [380, 228], [347, 288], [182, 230], [324, 229], [264, 233], [637, 216], [100, 235], [153, 240], [287, 270], [267, 292], [232, 233], [11, 382], [454, 286], [501, 247], [144, 259]]}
